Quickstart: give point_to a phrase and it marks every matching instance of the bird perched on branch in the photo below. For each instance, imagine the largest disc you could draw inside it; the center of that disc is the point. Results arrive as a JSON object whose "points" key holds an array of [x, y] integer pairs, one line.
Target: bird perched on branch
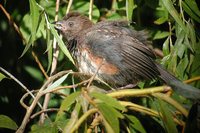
{"points": [[115, 53]]}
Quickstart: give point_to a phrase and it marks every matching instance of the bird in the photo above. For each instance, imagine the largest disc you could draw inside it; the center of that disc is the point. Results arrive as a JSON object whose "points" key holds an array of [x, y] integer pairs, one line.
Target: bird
{"points": [[115, 53]]}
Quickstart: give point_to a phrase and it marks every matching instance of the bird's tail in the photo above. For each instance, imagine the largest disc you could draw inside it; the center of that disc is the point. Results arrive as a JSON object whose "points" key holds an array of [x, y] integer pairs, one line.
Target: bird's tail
{"points": [[177, 85]]}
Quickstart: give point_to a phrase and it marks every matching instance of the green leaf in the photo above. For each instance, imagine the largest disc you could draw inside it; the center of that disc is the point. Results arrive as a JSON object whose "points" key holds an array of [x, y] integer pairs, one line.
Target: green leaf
{"points": [[166, 47], [108, 100], [6, 122], [193, 6], [49, 49], [34, 17], [180, 50], [61, 43], [74, 118], [182, 66], [2, 76], [34, 10], [130, 6], [34, 72], [68, 101], [161, 20], [83, 7], [47, 128], [135, 123], [161, 34], [167, 118], [58, 82], [169, 6], [108, 127], [111, 119], [190, 12], [192, 36]]}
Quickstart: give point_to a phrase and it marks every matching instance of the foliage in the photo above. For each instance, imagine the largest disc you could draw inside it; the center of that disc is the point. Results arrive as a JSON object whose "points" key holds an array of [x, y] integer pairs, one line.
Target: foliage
{"points": [[78, 106]]}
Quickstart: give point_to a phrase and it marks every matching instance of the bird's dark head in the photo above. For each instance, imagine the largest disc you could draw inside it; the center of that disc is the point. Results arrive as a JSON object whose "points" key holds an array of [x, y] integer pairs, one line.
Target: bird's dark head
{"points": [[72, 24]]}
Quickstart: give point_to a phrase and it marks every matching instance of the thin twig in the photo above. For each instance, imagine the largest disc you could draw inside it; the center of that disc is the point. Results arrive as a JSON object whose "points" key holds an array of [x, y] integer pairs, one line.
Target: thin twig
{"points": [[192, 80], [90, 9], [19, 83], [40, 65], [96, 121], [12, 22], [137, 92], [66, 87], [44, 111], [94, 75], [139, 108], [69, 6], [35, 101], [22, 101], [82, 119], [53, 66]]}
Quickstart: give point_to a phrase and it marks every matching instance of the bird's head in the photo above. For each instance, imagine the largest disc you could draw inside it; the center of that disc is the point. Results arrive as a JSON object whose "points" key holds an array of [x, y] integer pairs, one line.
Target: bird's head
{"points": [[72, 24]]}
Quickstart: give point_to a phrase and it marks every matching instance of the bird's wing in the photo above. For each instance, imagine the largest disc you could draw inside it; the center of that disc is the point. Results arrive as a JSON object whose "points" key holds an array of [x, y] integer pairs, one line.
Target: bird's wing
{"points": [[129, 54]]}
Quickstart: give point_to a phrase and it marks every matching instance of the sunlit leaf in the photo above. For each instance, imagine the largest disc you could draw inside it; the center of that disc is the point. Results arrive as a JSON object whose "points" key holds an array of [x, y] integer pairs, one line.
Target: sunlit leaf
{"points": [[34, 10], [68, 101], [160, 20], [2, 76], [6, 122], [161, 35], [61, 43], [193, 6], [190, 12], [111, 119], [167, 118], [34, 17], [135, 123], [49, 49], [182, 66], [58, 82], [166, 47], [47, 128], [74, 117], [108, 100], [83, 7], [169, 6], [130, 6]]}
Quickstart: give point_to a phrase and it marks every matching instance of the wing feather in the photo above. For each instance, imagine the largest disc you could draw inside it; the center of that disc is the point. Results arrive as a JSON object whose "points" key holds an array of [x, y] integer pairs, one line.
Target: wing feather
{"points": [[130, 55]]}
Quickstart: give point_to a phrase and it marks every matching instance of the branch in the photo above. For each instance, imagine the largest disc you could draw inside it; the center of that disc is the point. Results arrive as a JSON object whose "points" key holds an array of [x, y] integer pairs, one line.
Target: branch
{"points": [[38, 96], [137, 92]]}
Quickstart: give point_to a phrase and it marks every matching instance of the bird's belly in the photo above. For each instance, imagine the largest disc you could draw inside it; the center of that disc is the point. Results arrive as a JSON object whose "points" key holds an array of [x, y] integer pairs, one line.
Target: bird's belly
{"points": [[90, 64]]}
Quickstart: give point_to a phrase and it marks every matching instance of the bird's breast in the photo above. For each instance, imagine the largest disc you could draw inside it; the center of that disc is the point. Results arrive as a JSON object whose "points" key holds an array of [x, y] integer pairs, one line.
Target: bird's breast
{"points": [[91, 64]]}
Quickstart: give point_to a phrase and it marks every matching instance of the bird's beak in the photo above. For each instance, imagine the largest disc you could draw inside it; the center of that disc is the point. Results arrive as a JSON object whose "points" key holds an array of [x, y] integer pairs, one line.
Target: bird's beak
{"points": [[58, 25]]}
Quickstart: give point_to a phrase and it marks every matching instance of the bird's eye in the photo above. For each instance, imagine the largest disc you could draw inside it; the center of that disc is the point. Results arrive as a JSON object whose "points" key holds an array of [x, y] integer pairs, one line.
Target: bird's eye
{"points": [[71, 24]]}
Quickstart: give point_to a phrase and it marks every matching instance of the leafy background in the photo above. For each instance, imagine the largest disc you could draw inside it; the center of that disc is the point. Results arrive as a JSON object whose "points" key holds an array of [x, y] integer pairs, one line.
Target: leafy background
{"points": [[173, 26]]}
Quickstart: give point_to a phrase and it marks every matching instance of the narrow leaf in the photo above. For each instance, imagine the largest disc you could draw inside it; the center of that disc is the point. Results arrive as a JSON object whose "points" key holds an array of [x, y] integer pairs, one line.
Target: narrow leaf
{"points": [[58, 82], [34, 10], [6, 122], [135, 123], [169, 6], [111, 119], [193, 5], [190, 12], [108, 100], [68, 101], [130, 6], [61, 43], [167, 118], [2, 76]]}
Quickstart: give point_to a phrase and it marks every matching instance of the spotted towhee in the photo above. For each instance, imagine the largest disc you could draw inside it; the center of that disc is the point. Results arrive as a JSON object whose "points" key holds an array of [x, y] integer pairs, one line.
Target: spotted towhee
{"points": [[115, 53]]}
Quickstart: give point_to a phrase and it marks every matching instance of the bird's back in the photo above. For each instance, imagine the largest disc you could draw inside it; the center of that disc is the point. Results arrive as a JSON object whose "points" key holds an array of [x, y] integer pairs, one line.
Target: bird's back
{"points": [[116, 53]]}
